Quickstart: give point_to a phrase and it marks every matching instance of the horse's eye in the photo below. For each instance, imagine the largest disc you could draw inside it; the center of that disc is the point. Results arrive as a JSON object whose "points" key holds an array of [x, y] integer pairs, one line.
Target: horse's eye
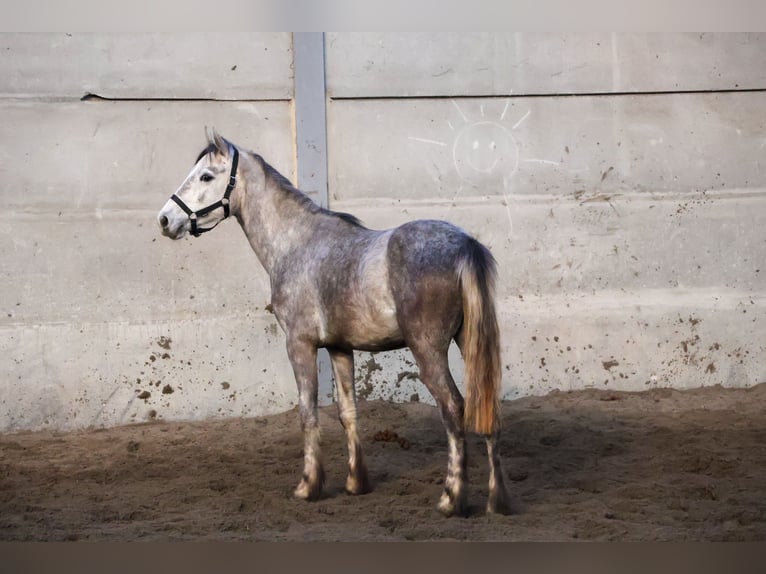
{"points": [[206, 177]]}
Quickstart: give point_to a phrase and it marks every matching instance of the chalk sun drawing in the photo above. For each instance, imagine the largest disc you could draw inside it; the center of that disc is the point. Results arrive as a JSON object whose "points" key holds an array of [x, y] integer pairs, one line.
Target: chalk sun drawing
{"points": [[485, 147], [485, 154]]}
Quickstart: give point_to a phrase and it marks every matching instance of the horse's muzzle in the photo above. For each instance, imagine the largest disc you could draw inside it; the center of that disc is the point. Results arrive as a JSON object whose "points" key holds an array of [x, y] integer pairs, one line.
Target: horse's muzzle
{"points": [[174, 232]]}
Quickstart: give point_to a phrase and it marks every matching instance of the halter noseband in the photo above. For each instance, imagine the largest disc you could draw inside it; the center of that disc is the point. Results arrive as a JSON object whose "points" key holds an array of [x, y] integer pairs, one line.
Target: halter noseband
{"points": [[223, 202]]}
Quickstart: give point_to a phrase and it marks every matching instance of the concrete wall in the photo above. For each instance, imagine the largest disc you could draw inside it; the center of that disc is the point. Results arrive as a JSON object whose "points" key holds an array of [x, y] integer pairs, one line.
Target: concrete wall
{"points": [[618, 179]]}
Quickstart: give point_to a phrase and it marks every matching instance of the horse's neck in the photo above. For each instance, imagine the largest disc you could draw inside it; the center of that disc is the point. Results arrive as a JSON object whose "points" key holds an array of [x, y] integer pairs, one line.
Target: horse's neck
{"points": [[274, 222]]}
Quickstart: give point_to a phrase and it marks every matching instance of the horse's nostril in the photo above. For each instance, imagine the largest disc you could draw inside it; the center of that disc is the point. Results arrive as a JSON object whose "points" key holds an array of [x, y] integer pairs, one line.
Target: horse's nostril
{"points": [[163, 221]]}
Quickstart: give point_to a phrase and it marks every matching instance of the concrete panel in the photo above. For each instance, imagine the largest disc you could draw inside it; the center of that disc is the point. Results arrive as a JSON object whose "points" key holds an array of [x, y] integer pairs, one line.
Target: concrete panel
{"points": [[634, 340], [486, 64], [87, 304], [73, 157], [75, 375], [453, 148], [622, 341], [228, 66], [89, 289], [552, 247], [628, 230], [118, 268]]}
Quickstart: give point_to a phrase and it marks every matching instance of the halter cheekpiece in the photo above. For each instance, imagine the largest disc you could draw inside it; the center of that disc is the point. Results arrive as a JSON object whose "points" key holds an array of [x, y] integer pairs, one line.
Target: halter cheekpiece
{"points": [[223, 202]]}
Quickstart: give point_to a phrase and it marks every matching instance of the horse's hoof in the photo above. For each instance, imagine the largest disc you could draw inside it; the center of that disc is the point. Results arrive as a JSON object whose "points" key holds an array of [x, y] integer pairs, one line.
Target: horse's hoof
{"points": [[358, 485], [310, 490], [501, 503], [305, 491], [450, 505]]}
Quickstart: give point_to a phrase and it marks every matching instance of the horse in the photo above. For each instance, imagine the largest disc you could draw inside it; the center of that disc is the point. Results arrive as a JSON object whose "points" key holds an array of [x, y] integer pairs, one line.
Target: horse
{"points": [[339, 285]]}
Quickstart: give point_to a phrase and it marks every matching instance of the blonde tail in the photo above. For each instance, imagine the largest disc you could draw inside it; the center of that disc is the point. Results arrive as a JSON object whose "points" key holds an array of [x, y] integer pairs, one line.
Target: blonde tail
{"points": [[481, 339]]}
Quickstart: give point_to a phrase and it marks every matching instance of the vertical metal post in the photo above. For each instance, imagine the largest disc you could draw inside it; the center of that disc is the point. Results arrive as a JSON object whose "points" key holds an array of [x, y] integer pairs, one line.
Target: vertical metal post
{"points": [[311, 146], [310, 114]]}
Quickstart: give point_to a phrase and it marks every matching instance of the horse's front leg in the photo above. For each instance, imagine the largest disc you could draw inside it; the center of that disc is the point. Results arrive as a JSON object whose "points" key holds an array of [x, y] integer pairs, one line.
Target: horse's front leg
{"points": [[343, 369], [303, 357]]}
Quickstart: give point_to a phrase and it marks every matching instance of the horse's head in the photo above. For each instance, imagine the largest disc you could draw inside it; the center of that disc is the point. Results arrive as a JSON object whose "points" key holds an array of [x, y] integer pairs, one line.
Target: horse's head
{"points": [[202, 201]]}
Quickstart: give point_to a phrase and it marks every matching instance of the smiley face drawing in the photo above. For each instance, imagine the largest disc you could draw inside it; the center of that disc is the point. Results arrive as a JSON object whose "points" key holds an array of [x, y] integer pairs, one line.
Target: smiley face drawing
{"points": [[485, 148], [484, 151], [485, 154]]}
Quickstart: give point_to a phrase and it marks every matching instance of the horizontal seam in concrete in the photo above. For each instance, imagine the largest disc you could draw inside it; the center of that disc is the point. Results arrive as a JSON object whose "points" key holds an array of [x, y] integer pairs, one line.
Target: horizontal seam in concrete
{"points": [[587, 198], [8, 98], [64, 215], [608, 301], [97, 98], [551, 94], [252, 315], [605, 302]]}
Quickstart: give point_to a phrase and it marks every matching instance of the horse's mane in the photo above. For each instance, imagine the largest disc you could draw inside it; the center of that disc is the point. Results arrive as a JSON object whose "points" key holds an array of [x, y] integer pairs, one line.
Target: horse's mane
{"points": [[285, 185], [211, 148]]}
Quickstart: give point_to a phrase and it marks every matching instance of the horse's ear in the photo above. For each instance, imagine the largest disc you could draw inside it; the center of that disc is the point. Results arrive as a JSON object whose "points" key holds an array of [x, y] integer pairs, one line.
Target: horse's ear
{"points": [[216, 140], [220, 143]]}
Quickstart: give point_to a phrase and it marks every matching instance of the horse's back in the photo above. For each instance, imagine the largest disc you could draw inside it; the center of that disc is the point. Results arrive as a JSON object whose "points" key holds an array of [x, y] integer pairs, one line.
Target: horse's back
{"points": [[426, 246]]}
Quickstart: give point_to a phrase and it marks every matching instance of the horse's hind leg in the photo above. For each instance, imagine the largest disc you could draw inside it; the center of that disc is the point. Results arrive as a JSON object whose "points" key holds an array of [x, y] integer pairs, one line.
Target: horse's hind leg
{"points": [[343, 369], [435, 374], [499, 501], [303, 358]]}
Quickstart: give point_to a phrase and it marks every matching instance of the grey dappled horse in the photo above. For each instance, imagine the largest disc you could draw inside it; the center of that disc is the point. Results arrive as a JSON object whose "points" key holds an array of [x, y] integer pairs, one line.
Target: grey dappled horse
{"points": [[338, 285]]}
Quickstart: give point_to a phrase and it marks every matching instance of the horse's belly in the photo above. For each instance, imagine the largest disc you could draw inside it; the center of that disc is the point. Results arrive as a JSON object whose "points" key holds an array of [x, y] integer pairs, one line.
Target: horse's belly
{"points": [[366, 318], [374, 329]]}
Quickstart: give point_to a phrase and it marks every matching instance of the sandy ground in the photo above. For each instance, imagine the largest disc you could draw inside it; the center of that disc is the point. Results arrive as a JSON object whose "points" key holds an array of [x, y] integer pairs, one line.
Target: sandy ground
{"points": [[590, 465]]}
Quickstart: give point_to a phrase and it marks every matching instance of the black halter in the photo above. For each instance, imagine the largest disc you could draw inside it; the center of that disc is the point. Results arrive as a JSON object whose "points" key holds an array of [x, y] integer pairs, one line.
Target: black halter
{"points": [[223, 202]]}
